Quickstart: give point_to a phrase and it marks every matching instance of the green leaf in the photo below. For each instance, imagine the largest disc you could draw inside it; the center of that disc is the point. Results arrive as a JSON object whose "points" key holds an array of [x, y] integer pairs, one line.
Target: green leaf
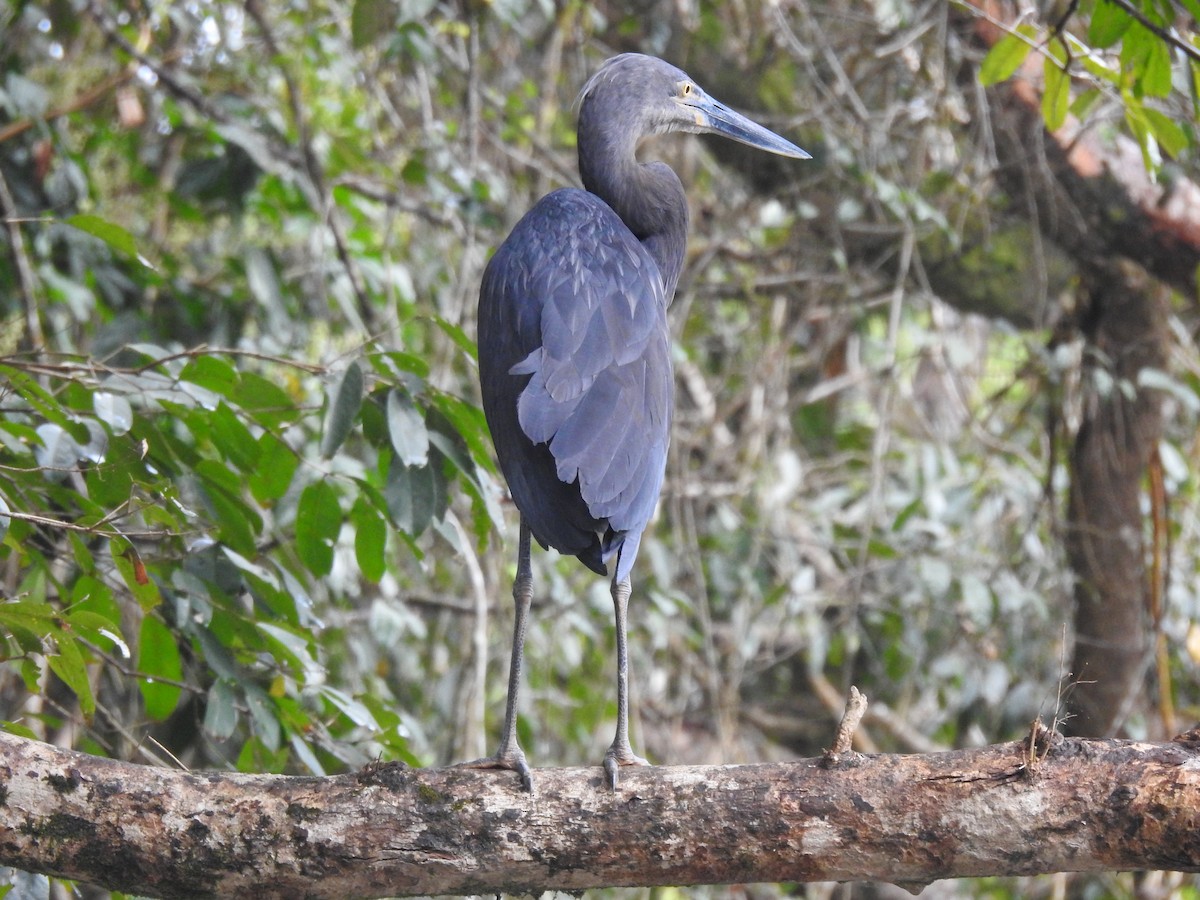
{"points": [[318, 522], [69, 665], [114, 411], [263, 718], [58, 453], [370, 19], [28, 621], [306, 755], [134, 573], [276, 467], [233, 438], [406, 428], [158, 658], [220, 713], [411, 494], [1146, 57], [469, 424], [98, 629], [295, 645], [395, 364], [459, 337], [344, 400], [1109, 23], [1139, 127], [266, 402], [237, 522], [1156, 76], [111, 233], [1006, 56], [212, 373], [370, 539], [1057, 97], [1167, 131], [354, 710], [1083, 103]]}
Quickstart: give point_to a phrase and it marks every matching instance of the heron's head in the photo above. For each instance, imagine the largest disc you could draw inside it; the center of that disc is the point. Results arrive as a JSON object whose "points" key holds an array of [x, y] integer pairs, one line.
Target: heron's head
{"points": [[644, 95]]}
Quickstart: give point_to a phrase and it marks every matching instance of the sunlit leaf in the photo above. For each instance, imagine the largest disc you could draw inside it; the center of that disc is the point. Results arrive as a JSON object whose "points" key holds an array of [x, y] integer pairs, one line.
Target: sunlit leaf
{"points": [[406, 427], [113, 410], [210, 372], [1006, 56], [1168, 132], [1056, 99], [296, 645], [354, 710], [220, 712], [1108, 24], [306, 755], [59, 452]]}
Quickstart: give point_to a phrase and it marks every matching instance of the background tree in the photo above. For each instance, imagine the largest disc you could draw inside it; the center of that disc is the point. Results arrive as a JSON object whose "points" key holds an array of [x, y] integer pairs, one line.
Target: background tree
{"points": [[937, 396]]}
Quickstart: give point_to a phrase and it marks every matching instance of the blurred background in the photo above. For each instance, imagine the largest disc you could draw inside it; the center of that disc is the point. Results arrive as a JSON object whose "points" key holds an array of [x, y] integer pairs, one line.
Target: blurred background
{"points": [[937, 389]]}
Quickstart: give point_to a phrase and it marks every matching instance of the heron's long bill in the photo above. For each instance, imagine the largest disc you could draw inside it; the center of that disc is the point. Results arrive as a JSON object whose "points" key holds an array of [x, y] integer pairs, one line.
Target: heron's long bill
{"points": [[724, 121]]}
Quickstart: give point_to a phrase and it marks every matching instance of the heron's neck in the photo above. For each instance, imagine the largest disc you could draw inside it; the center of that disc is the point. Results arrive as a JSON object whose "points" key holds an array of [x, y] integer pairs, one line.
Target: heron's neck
{"points": [[648, 197]]}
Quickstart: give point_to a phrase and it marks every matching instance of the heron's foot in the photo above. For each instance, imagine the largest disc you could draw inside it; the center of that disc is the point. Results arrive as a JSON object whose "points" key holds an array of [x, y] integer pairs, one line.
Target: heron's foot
{"points": [[512, 759], [620, 755]]}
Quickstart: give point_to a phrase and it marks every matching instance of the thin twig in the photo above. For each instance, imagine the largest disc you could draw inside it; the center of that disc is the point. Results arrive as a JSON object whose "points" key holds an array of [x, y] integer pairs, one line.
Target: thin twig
{"points": [[83, 529]]}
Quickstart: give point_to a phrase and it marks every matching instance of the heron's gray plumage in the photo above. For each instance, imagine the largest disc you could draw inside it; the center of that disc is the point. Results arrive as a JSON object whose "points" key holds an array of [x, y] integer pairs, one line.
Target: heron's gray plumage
{"points": [[574, 346], [587, 359]]}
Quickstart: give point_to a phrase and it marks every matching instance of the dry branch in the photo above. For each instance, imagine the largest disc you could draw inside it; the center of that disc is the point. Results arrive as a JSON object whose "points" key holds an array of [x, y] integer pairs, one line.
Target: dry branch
{"points": [[1066, 805]]}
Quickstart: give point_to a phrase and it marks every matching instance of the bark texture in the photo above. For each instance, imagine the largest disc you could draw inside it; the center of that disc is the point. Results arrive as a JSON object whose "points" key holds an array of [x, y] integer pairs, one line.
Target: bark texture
{"points": [[1064, 805], [1121, 425]]}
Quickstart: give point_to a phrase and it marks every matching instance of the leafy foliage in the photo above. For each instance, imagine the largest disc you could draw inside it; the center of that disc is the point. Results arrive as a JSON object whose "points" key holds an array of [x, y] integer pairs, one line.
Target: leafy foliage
{"points": [[1123, 52]]}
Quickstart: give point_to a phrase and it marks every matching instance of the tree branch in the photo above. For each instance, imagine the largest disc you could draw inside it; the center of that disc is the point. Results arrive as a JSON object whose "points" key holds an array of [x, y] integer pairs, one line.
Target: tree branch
{"points": [[1064, 805]]}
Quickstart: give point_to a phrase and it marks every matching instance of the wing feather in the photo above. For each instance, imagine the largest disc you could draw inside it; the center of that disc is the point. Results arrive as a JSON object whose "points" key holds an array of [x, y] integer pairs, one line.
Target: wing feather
{"points": [[575, 358]]}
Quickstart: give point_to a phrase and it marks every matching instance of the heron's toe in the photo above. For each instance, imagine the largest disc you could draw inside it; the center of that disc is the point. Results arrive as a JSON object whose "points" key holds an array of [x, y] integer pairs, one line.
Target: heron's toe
{"points": [[617, 757], [512, 759]]}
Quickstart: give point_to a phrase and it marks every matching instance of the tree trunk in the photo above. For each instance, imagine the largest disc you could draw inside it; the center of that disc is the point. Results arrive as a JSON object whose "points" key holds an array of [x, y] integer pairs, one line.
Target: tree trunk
{"points": [[1128, 239], [1064, 805], [1121, 425]]}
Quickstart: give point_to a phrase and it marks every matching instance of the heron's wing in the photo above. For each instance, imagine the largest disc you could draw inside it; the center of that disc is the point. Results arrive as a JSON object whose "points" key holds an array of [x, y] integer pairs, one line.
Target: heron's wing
{"points": [[589, 329]]}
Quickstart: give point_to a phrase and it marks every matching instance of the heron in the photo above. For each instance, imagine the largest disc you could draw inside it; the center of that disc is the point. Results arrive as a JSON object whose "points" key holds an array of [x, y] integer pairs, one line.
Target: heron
{"points": [[574, 349]]}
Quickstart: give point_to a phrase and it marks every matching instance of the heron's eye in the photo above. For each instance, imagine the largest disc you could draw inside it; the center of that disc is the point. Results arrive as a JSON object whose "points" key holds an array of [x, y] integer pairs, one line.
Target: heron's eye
{"points": [[685, 89]]}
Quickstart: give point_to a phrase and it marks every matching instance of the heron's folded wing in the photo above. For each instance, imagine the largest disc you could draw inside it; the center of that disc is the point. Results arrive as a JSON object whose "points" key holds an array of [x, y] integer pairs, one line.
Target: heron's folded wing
{"points": [[600, 388]]}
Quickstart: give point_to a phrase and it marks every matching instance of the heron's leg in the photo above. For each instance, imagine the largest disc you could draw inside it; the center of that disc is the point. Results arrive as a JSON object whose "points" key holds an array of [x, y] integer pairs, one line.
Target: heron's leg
{"points": [[510, 755], [620, 753]]}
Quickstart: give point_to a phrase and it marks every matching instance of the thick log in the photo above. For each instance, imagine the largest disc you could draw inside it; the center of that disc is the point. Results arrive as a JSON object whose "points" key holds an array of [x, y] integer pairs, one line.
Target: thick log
{"points": [[1066, 805]]}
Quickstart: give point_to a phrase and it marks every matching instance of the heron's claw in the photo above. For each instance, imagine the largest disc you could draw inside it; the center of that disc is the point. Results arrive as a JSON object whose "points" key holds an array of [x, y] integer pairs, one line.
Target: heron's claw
{"points": [[513, 760], [617, 757]]}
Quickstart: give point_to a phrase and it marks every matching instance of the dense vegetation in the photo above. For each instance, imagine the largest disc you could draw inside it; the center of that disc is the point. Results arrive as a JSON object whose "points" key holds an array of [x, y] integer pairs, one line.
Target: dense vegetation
{"points": [[249, 512]]}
